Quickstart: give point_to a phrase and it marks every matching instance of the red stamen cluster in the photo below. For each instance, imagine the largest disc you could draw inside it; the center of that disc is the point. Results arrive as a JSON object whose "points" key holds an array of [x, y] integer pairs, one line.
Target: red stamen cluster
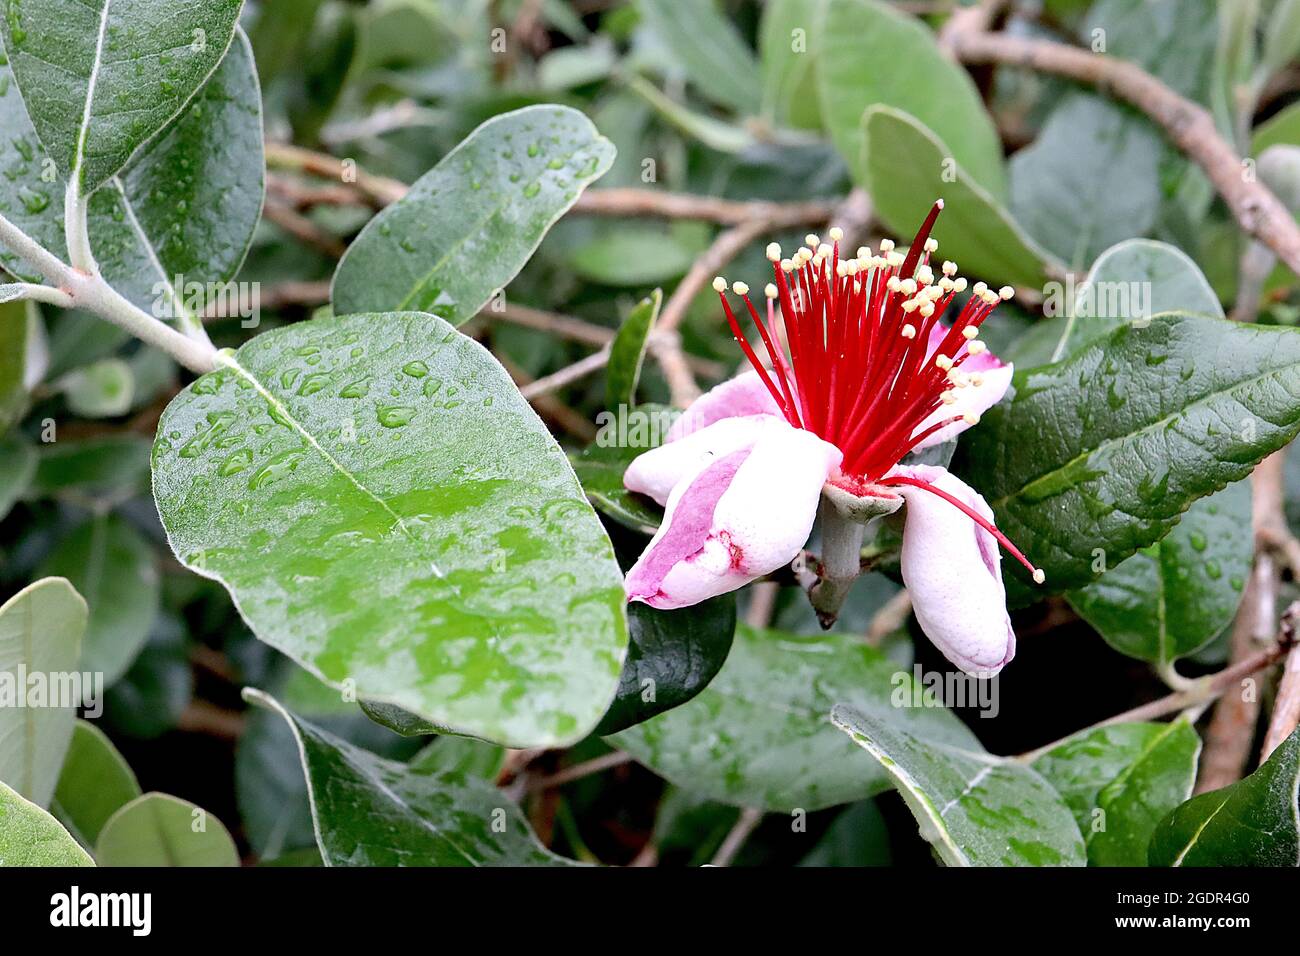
{"points": [[860, 373]]}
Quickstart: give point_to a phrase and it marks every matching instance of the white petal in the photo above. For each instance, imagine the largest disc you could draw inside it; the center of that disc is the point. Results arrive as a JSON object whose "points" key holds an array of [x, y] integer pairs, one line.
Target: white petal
{"points": [[741, 396], [658, 471], [735, 519], [952, 567]]}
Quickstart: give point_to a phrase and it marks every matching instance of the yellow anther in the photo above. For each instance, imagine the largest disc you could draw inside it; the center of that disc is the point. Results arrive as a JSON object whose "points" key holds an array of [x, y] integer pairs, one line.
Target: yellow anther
{"points": [[864, 252], [836, 233], [719, 284], [947, 397], [740, 288], [949, 268], [979, 288], [970, 418], [812, 240], [977, 348], [931, 244], [927, 309], [1006, 292], [787, 265], [886, 245], [909, 306], [774, 251], [1039, 576], [908, 331], [971, 331], [769, 290], [959, 284], [943, 362]]}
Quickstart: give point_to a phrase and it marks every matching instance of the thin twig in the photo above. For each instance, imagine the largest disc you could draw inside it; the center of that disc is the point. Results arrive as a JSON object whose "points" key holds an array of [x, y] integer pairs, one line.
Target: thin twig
{"points": [[1286, 706], [891, 616], [303, 229], [567, 375], [736, 837], [616, 758], [1189, 125]]}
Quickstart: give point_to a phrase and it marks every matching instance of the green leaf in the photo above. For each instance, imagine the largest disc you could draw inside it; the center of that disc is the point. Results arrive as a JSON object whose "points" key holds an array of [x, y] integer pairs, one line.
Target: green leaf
{"points": [[870, 55], [108, 467], [973, 808], [639, 254], [1089, 180], [104, 389], [1282, 128], [398, 720], [672, 656], [31, 837], [708, 48], [1108, 448], [390, 456], [280, 35], [1281, 37], [461, 756], [101, 79], [906, 168], [1171, 599], [1128, 284], [859, 836], [469, 224], [1119, 781], [17, 467], [31, 193], [40, 637], [95, 783], [788, 63], [150, 697], [113, 567], [1253, 822], [628, 352], [758, 734], [187, 205], [600, 468], [157, 829], [13, 361], [369, 811]]}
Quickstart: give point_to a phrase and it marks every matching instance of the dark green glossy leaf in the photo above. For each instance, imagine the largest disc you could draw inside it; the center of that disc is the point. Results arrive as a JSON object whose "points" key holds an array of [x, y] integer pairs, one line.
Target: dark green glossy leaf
{"points": [[469, 224], [31, 837], [600, 469], [906, 168], [114, 569], [95, 783], [1254, 822], [672, 656], [628, 352], [869, 54], [188, 204], [1108, 448], [708, 48], [463, 756], [40, 633], [398, 720], [101, 79], [1119, 781], [1171, 599], [973, 808], [1089, 180], [149, 699], [157, 829], [758, 734], [859, 836], [369, 811], [385, 507]]}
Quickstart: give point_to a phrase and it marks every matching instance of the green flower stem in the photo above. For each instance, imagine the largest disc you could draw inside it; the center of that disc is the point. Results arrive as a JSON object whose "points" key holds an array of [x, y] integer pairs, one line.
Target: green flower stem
{"points": [[841, 562], [86, 289]]}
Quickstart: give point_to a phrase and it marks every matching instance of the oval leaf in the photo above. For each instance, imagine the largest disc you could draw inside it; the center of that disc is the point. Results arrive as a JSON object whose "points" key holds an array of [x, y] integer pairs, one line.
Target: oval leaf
{"points": [[369, 811], [758, 735], [387, 509], [31, 837], [1108, 448], [469, 224], [628, 352], [40, 637], [904, 171], [77, 65], [94, 784], [973, 808], [161, 830]]}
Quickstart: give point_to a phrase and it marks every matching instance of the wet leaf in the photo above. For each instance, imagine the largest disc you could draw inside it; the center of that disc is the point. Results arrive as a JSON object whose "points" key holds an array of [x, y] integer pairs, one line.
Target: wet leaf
{"points": [[387, 509]]}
